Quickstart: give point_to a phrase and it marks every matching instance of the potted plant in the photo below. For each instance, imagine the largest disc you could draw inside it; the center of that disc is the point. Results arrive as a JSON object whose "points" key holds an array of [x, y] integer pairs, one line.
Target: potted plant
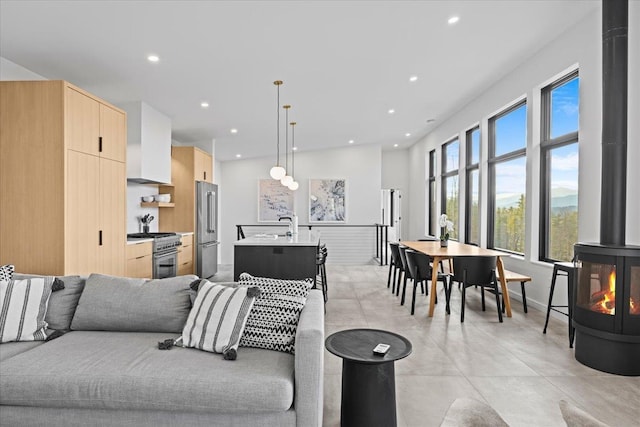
{"points": [[446, 227]]}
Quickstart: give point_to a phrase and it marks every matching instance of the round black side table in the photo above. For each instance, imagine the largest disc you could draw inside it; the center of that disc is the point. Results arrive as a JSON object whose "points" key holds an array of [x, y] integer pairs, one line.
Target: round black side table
{"points": [[368, 380]]}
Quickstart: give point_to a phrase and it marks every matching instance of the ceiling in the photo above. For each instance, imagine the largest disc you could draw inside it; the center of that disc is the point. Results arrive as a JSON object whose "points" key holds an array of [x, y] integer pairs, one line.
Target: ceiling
{"points": [[344, 63]]}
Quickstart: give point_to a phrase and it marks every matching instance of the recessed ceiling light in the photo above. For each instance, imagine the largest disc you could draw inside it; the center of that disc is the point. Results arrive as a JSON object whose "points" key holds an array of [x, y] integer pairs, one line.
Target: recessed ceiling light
{"points": [[391, 111], [407, 134], [295, 148], [204, 104], [351, 141], [238, 156], [413, 78], [395, 145], [234, 130], [153, 58], [453, 20]]}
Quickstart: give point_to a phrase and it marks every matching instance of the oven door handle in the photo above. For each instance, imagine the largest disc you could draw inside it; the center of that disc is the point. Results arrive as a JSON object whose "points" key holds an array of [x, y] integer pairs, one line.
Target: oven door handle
{"points": [[165, 254]]}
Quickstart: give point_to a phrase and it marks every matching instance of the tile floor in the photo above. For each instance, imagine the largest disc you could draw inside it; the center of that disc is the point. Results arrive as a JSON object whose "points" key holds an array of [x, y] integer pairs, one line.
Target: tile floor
{"points": [[512, 366]]}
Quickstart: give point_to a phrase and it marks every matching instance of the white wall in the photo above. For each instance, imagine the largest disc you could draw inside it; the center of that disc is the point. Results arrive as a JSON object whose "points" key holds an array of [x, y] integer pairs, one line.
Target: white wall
{"points": [[580, 45], [360, 165], [12, 71], [135, 192], [395, 174]]}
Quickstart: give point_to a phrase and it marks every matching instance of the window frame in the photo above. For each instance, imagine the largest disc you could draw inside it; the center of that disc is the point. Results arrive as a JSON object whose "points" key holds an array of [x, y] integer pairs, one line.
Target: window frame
{"points": [[443, 179], [492, 161], [431, 182], [547, 145], [469, 169]]}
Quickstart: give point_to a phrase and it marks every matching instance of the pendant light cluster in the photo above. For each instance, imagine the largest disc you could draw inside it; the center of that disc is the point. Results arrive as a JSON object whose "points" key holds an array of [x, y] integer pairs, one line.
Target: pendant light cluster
{"points": [[277, 171]]}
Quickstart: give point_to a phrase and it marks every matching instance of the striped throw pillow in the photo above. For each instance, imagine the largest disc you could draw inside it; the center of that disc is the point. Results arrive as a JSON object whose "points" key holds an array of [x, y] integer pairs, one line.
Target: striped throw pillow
{"points": [[218, 317], [23, 306]]}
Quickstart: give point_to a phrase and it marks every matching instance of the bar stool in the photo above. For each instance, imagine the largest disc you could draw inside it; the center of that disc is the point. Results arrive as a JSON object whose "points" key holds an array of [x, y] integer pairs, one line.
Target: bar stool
{"points": [[567, 270], [321, 270]]}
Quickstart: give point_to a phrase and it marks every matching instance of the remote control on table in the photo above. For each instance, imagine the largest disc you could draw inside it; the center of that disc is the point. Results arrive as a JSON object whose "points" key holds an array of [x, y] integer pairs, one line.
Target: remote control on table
{"points": [[381, 349]]}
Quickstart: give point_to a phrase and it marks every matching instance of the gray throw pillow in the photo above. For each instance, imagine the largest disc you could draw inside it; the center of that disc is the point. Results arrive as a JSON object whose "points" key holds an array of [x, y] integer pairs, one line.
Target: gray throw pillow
{"points": [[121, 304], [62, 303]]}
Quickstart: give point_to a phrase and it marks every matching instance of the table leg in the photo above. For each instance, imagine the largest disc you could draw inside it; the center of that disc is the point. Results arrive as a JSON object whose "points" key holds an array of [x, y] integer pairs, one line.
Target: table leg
{"points": [[368, 395], [505, 289], [434, 282]]}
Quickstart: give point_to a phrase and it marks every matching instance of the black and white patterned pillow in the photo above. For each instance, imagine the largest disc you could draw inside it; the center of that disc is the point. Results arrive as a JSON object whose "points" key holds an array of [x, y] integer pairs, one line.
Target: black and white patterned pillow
{"points": [[273, 320], [6, 272]]}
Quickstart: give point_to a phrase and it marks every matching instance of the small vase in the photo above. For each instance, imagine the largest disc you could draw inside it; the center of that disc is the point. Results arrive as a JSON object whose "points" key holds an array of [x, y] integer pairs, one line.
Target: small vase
{"points": [[444, 243]]}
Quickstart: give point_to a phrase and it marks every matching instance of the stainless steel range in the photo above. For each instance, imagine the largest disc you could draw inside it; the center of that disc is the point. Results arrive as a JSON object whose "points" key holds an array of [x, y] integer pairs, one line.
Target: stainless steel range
{"points": [[165, 252]]}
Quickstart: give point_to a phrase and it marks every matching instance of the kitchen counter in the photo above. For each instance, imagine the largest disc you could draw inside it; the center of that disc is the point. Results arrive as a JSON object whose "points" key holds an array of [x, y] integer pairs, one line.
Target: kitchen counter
{"points": [[278, 257], [303, 238]]}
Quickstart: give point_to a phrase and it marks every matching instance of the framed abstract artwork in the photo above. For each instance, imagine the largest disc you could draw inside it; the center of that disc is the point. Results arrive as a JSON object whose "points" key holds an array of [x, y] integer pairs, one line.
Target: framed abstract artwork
{"points": [[327, 200], [274, 200]]}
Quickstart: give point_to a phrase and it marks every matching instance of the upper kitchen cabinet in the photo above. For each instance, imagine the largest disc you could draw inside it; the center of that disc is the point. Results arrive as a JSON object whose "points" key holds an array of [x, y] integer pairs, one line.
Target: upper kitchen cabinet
{"points": [[93, 127], [188, 165], [203, 165], [148, 144], [63, 199]]}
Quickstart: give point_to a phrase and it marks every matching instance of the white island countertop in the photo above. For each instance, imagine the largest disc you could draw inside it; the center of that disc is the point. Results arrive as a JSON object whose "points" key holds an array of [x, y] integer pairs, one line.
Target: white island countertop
{"points": [[302, 238]]}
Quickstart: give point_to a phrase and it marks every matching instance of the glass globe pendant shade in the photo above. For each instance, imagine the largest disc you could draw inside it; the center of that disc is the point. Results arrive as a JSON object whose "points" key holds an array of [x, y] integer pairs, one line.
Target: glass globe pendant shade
{"points": [[277, 172], [294, 186], [287, 180]]}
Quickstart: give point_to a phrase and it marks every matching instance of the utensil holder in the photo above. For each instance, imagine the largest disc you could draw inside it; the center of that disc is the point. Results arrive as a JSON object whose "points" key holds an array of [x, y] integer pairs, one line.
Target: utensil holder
{"points": [[145, 228]]}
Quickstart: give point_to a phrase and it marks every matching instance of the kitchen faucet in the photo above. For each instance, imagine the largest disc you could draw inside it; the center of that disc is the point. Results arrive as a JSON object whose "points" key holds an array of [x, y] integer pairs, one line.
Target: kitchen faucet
{"points": [[288, 218]]}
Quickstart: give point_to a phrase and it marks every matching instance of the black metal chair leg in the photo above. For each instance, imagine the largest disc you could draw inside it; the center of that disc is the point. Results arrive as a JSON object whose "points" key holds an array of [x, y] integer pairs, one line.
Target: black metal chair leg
{"points": [[389, 276], [551, 290], [404, 289], [400, 275], [413, 299], [495, 286], [524, 297], [572, 330], [482, 291], [464, 292]]}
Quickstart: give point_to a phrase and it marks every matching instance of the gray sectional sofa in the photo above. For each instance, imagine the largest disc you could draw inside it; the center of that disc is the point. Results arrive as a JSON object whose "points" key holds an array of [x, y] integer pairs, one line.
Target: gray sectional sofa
{"points": [[108, 370]]}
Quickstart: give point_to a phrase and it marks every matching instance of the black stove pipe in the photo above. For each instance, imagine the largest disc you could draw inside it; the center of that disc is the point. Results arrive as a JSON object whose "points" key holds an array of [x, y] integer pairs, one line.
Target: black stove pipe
{"points": [[613, 202]]}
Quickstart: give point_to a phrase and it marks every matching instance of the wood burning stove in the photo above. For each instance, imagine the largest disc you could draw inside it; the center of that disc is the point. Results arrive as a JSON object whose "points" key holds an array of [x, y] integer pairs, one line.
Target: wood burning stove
{"points": [[606, 299], [606, 313]]}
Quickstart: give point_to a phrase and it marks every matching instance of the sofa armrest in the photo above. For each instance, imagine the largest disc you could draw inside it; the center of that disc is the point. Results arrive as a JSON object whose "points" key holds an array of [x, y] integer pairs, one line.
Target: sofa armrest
{"points": [[309, 362]]}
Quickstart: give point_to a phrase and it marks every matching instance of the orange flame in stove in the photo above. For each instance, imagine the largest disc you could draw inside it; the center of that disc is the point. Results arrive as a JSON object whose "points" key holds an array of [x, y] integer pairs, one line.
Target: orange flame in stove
{"points": [[606, 299]]}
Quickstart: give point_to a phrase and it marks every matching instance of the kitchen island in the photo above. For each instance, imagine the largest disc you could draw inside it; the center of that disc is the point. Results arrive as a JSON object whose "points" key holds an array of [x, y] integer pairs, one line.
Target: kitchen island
{"points": [[277, 256]]}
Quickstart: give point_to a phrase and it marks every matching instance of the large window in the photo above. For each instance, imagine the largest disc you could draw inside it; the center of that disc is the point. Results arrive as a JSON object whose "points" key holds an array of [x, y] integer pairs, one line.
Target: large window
{"points": [[559, 169], [433, 214], [507, 179], [450, 187], [472, 224]]}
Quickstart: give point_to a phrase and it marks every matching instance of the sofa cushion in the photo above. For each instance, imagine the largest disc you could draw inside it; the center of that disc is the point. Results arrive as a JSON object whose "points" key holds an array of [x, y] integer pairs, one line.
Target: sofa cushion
{"points": [[274, 318], [110, 303], [218, 317], [23, 305], [62, 303], [125, 370], [11, 349]]}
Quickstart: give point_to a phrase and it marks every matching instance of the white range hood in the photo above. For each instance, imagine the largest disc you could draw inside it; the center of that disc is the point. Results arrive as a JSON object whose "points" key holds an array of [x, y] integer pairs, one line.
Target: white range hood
{"points": [[148, 144]]}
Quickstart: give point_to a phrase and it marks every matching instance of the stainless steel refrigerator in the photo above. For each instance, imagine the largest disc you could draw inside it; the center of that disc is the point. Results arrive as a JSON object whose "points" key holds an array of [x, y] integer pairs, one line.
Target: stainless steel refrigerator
{"points": [[206, 229]]}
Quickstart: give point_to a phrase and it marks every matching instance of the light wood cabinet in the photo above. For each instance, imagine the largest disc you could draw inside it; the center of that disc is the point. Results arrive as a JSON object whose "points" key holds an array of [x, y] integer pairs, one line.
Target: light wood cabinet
{"points": [[63, 198], [139, 260], [185, 256], [187, 167]]}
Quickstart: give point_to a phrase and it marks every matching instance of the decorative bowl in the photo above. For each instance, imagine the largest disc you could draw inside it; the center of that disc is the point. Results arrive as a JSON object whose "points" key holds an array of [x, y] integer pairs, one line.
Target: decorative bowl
{"points": [[147, 199], [163, 198]]}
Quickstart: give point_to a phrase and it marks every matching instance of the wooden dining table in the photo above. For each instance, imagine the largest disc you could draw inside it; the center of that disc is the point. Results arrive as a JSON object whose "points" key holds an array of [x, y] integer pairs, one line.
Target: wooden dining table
{"points": [[456, 249]]}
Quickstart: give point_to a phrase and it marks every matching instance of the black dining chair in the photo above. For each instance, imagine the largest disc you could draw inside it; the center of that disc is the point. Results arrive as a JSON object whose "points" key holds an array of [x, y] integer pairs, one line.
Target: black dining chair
{"points": [[321, 270], [420, 267], [476, 271], [395, 265], [406, 274]]}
